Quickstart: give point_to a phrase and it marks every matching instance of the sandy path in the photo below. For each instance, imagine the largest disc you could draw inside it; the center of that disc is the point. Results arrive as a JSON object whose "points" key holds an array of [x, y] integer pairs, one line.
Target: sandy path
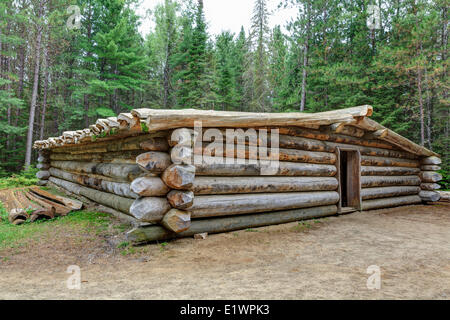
{"points": [[328, 260]]}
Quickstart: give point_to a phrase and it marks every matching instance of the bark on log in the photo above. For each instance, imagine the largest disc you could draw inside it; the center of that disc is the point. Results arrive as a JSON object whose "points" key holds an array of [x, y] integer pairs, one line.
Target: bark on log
{"points": [[430, 167], [226, 224], [127, 172], [386, 181], [43, 166], [230, 185], [429, 186], [244, 152], [155, 162], [431, 160], [429, 196], [110, 200], [388, 171], [179, 176], [430, 176], [43, 175], [182, 137], [176, 220], [216, 166], [388, 162], [149, 209], [170, 119], [337, 138], [180, 199], [181, 155], [155, 144], [60, 210], [219, 205], [110, 157], [73, 204], [118, 188], [385, 192], [149, 187], [390, 202], [347, 130]]}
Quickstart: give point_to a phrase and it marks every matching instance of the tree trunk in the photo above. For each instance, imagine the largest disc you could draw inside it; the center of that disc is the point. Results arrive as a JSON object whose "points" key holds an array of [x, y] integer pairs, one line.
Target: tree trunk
{"points": [[29, 144], [305, 56]]}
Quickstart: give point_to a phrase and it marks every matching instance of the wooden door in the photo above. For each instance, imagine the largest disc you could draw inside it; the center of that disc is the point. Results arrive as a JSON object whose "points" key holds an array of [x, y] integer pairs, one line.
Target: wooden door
{"points": [[349, 176]]}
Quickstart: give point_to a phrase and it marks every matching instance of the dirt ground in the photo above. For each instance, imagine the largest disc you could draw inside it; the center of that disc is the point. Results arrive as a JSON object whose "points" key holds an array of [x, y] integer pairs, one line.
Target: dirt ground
{"points": [[325, 259]]}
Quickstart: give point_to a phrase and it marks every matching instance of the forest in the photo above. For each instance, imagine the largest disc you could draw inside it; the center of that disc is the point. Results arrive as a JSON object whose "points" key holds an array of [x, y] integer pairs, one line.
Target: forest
{"points": [[65, 63]]}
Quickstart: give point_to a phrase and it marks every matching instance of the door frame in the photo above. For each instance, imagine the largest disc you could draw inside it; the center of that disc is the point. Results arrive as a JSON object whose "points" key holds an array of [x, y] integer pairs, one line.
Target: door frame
{"points": [[355, 175]]}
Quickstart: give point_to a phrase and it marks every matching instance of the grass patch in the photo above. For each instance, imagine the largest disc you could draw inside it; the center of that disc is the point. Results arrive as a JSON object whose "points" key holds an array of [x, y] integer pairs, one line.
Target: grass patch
{"points": [[22, 179], [12, 236]]}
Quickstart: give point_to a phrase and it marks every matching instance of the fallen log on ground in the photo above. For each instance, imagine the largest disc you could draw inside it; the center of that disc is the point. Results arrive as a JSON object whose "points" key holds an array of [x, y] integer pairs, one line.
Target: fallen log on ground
{"points": [[219, 205], [385, 192], [386, 181], [390, 202], [226, 224], [229, 185], [73, 204]]}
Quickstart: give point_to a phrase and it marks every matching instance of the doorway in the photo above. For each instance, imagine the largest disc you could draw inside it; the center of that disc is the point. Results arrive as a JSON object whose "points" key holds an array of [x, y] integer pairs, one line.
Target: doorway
{"points": [[349, 176]]}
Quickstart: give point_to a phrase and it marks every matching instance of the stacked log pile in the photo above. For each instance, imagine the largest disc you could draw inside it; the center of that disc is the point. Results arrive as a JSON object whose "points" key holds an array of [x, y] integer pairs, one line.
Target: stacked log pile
{"points": [[429, 178]]}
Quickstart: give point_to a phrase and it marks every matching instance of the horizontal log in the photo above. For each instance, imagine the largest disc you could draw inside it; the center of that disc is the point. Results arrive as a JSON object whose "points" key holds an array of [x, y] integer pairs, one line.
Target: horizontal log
{"points": [[43, 175], [385, 192], [216, 166], [390, 202], [338, 138], [227, 224], [430, 176], [60, 209], [155, 144], [219, 205], [429, 186], [155, 162], [429, 196], [431, 160], [179, 176], [118, 188], [403, 143], [43, 166], [176, 220], [149, 187], [388, 162], [107, 199], [388, 171], [180, 199], [181, 155], [230, 185], [347, 130], [126, 172], [386, 181], [44, 159], [430, 167], [157, 119], [110, 157], [445, 195], [149, 209], [252, 152]]}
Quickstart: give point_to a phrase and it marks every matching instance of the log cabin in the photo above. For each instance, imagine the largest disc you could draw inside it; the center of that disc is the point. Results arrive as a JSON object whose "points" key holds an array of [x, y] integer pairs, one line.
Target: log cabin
{"points": [[177, 173]]}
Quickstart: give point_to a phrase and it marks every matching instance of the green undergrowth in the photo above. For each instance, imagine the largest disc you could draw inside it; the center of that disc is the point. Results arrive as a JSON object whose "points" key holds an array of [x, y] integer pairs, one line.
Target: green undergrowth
{"points": [[22, 179]]}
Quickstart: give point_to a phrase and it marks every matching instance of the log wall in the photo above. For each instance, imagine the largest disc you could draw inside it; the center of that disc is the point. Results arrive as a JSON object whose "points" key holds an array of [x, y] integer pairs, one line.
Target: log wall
{"points": [[181, 185]]}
